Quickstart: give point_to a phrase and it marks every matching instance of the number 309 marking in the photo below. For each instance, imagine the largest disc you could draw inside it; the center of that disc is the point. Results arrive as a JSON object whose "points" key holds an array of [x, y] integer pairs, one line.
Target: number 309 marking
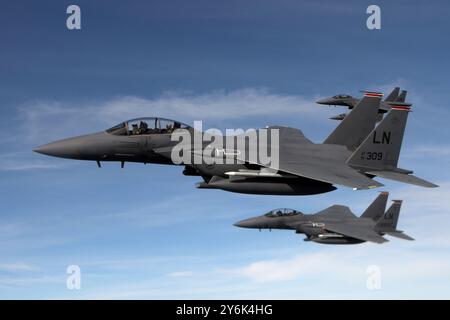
{"points": [[371, 155]]}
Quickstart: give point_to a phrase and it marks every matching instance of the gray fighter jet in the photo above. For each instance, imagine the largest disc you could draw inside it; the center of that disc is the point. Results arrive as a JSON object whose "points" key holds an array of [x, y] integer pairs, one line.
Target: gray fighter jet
{"points": [[336, 224], [350, 156], [350, 102]]}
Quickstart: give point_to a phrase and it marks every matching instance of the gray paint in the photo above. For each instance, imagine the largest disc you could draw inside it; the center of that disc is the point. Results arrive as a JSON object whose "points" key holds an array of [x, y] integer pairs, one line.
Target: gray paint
{"points": [[336, 224], [305, 168]]}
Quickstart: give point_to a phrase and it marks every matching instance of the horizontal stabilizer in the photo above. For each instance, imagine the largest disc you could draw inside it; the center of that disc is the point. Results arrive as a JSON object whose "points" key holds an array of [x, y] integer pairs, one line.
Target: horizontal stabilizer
{"points": [[399, 234], [402, 177]]}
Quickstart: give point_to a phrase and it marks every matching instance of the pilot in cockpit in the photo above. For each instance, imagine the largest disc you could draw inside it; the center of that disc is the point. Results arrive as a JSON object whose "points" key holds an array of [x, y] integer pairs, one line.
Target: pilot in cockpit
{"points": [[135, 129], [143, 127], [169, 128]]}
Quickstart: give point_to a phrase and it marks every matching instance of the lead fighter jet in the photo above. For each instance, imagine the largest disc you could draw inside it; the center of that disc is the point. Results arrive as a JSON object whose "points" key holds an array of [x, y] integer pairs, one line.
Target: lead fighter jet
{"points": [[350, 156], [336, 224]]}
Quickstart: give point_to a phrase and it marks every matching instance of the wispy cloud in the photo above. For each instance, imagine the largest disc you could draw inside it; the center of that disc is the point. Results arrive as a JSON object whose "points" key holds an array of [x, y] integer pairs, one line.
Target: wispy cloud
{"points": [[300, 266], [348, 264], [24, 166], [23, 161], [50, 119], [16, 267], [432, 151], [181, 274]]}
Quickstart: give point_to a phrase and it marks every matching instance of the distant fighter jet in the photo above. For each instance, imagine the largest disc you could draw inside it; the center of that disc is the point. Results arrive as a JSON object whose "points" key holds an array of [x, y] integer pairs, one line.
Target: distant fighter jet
{"points": [[350, 156], [336, 224], [351, 102]]}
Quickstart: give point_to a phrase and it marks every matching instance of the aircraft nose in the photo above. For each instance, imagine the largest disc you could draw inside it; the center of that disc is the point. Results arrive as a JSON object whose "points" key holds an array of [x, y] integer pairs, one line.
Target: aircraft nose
{"points": [[324, 101], [88, 147], [62, 149], [247, 223]]}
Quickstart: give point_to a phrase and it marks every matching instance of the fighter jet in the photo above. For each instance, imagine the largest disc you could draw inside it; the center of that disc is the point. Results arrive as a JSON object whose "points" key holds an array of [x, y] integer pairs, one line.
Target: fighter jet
{"points": [[336, 224], [351, 102], [350, 156], [134, 140]]}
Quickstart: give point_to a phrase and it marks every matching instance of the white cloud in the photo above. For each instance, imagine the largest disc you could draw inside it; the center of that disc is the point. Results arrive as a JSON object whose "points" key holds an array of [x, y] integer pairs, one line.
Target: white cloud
{"points": [[350, 264], [181, 274], [436, 151], [23, 165], [299, 266], [23, 161], [17, 267], [46, 120]]}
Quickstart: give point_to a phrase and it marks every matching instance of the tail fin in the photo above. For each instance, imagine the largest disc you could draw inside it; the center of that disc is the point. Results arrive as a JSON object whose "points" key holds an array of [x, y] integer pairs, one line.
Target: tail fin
{"points": [[387, 224], [381, 149], [393, 95], [358, 123], [377, 207], [402, 96]]}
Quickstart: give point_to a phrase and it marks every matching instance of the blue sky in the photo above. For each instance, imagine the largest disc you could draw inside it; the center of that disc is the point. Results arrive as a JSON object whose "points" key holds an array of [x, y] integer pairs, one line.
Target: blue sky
{"points": [[145, 231]]}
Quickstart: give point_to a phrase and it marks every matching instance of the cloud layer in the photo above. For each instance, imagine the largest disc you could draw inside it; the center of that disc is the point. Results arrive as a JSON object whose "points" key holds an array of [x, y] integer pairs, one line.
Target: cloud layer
{"points": [[50, 119]]}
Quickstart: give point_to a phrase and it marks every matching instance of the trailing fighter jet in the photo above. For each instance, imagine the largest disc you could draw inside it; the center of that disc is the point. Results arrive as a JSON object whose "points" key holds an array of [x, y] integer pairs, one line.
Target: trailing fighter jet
{"points": [[350, 156], [336, 224], [351, 102]]}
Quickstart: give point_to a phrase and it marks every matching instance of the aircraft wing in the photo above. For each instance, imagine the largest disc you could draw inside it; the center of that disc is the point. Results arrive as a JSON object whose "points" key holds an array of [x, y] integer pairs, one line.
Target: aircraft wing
{"points": [[402, 177], [330, 173], [357, 232], [288, 134], [323, 162], [399, 234], [338, 212], [298, 156]]}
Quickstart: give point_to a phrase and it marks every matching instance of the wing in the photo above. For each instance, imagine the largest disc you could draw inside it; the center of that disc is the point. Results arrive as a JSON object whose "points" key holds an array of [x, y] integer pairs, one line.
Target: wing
{"points": [[403, 177], [399, 234], [288, 134], [332, 173], [337, 212], [299, 157], [357, 232]]}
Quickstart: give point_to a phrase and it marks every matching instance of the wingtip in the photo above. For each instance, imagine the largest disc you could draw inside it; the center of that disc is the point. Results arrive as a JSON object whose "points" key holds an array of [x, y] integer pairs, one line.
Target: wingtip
{"points": [[433, 185]]}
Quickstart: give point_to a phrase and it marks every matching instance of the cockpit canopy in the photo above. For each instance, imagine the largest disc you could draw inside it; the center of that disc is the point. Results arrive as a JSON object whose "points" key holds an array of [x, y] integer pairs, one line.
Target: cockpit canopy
{"points": [[342, 96], [282, 212], [146, 126]]}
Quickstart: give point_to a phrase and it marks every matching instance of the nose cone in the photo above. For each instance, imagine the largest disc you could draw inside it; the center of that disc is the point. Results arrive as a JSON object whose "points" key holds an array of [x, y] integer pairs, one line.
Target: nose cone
{"points": [[63, 149], [326, 101], [89, 147], [248, 223], [339, 117]]}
